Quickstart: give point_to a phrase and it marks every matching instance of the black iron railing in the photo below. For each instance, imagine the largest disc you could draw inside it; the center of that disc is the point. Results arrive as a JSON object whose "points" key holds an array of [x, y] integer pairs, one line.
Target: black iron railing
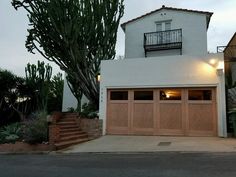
{"points": [[163, 40], [220, 49]]}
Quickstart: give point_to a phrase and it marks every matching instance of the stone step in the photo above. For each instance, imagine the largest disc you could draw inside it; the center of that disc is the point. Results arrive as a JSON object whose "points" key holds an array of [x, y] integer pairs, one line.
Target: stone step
{"points": [[73, 137], [65, 144], [68, 116], [67, 123], [69, 130], [70, 133], [68, 126], [67, 119]]}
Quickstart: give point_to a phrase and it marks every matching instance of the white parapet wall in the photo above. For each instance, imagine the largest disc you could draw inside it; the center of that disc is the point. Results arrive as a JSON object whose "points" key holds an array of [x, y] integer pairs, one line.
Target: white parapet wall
{"points": [[69, 100], [169, 71]]}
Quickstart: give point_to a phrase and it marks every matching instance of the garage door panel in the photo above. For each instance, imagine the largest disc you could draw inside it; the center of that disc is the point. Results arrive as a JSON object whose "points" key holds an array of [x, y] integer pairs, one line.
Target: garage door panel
{"points": [[118, 115], [143, 115], [171, 116], [201, 117]]}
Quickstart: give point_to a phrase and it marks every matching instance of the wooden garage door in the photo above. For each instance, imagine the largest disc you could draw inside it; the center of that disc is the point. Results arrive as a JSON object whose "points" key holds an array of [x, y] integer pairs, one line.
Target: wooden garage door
{"points": [[142, 112], [118, 114], [170, 111], [201, 112]]}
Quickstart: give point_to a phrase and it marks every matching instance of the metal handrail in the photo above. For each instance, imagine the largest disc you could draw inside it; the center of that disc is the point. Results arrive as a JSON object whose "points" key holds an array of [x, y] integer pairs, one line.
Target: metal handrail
{"points": [[163, 37]]}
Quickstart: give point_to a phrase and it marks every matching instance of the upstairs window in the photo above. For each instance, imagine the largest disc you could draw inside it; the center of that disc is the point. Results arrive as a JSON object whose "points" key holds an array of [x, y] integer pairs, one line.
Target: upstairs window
{"points": [[163, 37], [163, 26], [159, 27], [167, 26]]}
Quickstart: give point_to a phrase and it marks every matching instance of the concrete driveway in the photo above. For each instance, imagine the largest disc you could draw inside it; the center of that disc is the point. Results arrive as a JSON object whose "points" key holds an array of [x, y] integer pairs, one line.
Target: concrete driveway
{"points": [[127, 144]]}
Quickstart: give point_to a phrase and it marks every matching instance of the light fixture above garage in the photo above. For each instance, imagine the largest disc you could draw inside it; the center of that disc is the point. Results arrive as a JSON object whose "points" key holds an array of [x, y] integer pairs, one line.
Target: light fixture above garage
{"points": [[216, 63], [213, 62]]}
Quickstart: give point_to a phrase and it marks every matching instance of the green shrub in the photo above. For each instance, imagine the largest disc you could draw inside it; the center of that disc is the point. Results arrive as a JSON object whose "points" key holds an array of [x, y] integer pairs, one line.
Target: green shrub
{"points": [[11, 133], [89, 111], [36, 129], [71, 110], [2, 139]]}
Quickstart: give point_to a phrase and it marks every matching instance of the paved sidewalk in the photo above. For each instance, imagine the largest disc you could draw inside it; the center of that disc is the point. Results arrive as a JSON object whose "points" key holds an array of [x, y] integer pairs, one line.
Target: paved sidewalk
{"points": [[133, 144]]}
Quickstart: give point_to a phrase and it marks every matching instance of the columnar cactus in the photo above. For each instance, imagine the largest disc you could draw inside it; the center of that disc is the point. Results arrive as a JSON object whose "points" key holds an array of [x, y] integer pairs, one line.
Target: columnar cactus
{"points": [[38, 78]]}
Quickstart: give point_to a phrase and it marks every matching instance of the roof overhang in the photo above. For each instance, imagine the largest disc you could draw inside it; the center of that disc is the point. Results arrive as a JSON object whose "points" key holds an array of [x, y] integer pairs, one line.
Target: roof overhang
{"points": [[230, 49]]}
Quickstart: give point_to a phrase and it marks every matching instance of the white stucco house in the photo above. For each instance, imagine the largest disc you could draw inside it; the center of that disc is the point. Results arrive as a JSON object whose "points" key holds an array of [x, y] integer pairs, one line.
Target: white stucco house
{"points": [[168, 83]]}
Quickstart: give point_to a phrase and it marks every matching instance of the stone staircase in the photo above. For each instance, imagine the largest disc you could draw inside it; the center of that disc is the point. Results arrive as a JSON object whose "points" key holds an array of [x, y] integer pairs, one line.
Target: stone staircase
{"points": [[69, 132]]}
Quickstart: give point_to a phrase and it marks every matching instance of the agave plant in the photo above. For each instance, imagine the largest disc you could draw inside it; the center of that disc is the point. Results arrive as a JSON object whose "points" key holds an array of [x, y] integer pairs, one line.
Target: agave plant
{"points": [[10, 133]]}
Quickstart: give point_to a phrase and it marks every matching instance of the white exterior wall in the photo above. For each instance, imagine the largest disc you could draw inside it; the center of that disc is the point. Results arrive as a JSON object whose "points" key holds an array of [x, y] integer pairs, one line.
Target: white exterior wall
{"points": [[194, 33], [69, 101], [159, 72]]}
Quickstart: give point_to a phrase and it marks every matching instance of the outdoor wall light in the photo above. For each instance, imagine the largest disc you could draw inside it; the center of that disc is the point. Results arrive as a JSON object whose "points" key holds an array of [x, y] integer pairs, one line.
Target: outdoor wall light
{"points": [[216, 63], [98, 77], [213, 62]]}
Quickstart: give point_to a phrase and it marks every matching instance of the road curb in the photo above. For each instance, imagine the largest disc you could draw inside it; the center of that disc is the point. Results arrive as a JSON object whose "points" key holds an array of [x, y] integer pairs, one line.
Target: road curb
{"points": [[25, 153], [140, 152]]}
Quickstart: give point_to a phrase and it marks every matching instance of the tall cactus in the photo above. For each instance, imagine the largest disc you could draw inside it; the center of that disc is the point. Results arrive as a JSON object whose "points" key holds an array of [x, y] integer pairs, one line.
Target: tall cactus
{"points": [[38, 78], [76, 35]]}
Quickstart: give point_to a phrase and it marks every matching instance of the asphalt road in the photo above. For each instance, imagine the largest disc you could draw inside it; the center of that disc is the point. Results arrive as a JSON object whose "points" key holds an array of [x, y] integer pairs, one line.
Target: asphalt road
{"points": [[120, 165]]}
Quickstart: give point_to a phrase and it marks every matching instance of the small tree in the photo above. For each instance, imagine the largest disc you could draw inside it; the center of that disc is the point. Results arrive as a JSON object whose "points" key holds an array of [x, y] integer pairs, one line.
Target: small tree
{"points": [[76, 35], [8, 82], [9, 97]]}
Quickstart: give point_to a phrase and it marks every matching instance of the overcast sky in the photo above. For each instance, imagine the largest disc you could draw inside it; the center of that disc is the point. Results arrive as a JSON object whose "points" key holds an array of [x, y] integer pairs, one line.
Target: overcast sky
{"points": [[14, 24]]}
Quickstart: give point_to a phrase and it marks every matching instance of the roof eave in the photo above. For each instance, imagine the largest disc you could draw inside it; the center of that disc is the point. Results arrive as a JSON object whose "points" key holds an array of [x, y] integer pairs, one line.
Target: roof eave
{"points": [[208, 14], [123, 26], [209, 18], [234, 36]]}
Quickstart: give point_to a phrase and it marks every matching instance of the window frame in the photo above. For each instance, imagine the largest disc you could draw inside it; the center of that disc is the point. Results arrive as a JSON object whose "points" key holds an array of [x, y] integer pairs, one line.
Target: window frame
{"points": [[166, 101], [153, 95], [163, 25], [167, 22], [201, 101], [211, 94], [161, 29], [110, 92]]}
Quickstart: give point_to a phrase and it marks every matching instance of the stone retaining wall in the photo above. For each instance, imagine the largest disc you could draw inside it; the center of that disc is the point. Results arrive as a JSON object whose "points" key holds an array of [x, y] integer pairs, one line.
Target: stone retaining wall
{"points": [[93, 127]]}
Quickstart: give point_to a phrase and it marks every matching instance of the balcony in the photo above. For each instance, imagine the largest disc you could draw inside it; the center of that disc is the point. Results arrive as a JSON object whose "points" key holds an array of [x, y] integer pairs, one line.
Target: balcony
{"points": [[163, 40]]}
